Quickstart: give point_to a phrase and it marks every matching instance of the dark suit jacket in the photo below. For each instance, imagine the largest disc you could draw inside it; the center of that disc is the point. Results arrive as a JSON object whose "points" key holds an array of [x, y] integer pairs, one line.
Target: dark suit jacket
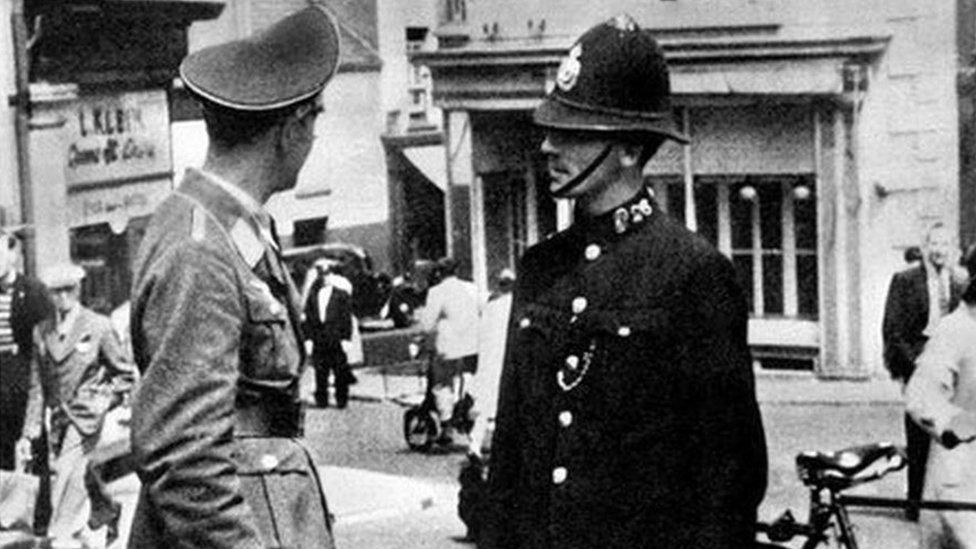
{"points": [[661, 443], [337, 325], [906, 315], [29, 306]]}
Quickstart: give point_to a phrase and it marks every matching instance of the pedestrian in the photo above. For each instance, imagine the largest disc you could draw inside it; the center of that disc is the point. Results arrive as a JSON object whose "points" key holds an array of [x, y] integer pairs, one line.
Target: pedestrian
{"points": [[450, 318], [24, 302], [217, 421], [492, 330], [328, 323], [78, 374], [627, 414], [941, 398], [918, 297]]}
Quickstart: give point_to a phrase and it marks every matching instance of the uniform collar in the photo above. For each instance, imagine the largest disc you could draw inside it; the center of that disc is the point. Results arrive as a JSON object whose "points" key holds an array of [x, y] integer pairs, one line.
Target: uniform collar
{"points": [[247, 202], [243, 217], [623, 218]]}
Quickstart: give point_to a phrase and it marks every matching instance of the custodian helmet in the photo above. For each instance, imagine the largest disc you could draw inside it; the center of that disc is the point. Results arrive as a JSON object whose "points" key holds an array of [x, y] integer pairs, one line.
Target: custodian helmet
{"points": [[614, 79]]}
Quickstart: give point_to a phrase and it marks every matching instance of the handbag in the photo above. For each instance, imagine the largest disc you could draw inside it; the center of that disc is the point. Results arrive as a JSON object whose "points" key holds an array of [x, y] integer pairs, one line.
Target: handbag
{"points": [[18, 498]]}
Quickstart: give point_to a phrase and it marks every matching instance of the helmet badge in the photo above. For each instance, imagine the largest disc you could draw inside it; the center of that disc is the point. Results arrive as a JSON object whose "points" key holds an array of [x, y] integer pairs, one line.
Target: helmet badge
{"points": [[569, 69]]}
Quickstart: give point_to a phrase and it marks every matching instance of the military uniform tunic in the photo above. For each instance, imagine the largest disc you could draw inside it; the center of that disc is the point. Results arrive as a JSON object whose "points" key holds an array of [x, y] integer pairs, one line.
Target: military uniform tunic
{"points": [[217, 419], [627, 413]]}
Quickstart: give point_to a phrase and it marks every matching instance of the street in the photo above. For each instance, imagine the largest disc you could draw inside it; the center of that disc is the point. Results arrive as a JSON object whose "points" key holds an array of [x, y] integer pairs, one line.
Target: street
{"points": [[367, 436]]}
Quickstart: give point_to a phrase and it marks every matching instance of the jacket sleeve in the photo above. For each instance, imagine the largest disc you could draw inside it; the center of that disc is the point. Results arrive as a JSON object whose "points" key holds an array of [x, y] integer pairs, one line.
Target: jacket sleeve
{"points": [[505, 461], [120, 371], [928, 395], [730, 465], [34, 415], [899, 352], [188, 326], [346, 313], [431, 311]]}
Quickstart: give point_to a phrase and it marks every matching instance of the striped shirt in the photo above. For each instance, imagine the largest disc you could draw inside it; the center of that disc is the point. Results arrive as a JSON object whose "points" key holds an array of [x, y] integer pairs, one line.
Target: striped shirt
{"points": [[7, 343]]}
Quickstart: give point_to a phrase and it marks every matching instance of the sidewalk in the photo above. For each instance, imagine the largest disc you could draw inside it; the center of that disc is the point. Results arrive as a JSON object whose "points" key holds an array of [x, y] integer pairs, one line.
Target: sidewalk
{"points": [[772, 388], [357, 495]]}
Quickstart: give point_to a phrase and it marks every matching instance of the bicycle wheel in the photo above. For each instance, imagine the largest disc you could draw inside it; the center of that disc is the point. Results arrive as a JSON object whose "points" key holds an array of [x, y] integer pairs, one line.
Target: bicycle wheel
{"points": [[421, 427]]}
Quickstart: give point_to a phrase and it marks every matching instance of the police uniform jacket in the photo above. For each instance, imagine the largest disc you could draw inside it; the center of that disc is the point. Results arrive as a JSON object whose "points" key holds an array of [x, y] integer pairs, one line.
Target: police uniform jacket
{"points": [[627, 414], [217, 419], [77, 374]]}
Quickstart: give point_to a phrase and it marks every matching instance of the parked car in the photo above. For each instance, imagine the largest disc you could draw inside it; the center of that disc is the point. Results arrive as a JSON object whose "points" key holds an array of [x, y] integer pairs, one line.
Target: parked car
{"points": [[369, 292]]}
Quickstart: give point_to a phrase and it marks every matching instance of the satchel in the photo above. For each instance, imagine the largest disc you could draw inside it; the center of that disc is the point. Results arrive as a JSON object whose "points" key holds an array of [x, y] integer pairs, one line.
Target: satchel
{"points": [[18, 498]]}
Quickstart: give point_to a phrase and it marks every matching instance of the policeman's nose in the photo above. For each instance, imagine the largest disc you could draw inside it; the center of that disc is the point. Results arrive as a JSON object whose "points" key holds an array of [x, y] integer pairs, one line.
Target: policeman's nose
{"points": [[546, 147]]}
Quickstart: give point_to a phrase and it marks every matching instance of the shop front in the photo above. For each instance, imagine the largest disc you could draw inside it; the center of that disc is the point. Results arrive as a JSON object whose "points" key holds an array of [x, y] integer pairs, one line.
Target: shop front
{"points": [[771, 177], [97, 149]]}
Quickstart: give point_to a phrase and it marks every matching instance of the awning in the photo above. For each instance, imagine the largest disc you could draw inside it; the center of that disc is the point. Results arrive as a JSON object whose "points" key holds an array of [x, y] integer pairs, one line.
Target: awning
{"points": [[431, 160]]}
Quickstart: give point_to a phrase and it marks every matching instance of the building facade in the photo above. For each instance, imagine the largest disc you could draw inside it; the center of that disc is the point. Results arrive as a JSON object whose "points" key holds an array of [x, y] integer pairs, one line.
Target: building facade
{"points": [[86, 134], [823, 145]]}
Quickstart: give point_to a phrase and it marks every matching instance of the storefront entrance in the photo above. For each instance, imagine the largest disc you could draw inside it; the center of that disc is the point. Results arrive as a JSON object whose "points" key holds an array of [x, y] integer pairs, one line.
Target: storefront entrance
{"points": [[107, 258]]}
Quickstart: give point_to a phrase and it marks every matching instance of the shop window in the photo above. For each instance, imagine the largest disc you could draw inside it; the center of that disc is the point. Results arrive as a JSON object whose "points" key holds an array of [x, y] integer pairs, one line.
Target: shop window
{"points": [[457, 11], [107, 259], [767, 225], [309, 231]]}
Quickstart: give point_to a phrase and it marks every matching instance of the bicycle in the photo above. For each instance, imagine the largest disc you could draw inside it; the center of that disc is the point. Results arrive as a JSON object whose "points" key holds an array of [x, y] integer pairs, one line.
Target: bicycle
{"points": [[828, 475]]}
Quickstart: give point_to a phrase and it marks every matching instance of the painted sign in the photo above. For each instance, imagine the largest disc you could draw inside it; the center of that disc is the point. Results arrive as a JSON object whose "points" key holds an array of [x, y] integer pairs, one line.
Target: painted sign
{"points": [[113, 137], [115, 205]]}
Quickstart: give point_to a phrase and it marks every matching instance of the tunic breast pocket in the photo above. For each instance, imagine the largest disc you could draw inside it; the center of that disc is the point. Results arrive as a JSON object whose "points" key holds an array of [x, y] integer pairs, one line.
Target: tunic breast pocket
{"points": [[636, 349], [535, 343], [269, 349]]}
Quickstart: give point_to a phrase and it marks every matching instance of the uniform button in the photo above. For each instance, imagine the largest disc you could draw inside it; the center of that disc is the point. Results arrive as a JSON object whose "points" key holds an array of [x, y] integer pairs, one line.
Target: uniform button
{"points": [[592, 252], [565, 418], [525, 322], [623, 331], [579, 305], [269, 462], [276, 308], [572, 362], [559, 475]]}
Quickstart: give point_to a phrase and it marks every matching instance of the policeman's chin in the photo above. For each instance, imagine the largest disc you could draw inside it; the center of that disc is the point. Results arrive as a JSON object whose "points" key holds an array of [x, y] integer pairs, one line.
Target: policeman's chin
{"points": [[559, 183]]}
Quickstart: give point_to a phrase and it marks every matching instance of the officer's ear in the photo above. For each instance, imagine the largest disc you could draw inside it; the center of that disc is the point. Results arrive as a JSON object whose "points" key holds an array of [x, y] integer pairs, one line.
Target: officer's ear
{"points": [[630, 154]]}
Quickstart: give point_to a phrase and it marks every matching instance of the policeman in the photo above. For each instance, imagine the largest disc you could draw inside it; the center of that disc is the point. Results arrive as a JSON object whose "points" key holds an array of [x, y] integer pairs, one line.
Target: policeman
{"points": [[217, 422], [627, 413]]}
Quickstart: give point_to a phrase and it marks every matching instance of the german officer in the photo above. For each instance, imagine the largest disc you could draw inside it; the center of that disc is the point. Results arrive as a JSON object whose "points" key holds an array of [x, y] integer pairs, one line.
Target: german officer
{"points": [[627, 413], [217, 422]]}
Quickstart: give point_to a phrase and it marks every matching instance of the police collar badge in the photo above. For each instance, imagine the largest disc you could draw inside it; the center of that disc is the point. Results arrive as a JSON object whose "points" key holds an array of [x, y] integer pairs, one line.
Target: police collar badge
{"points": [[632, 213]]}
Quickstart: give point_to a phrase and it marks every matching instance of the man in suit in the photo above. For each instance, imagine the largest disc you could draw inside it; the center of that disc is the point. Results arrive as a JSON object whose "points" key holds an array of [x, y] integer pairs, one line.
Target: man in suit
{"points": [[918, 298], [24, 302], [627, 414], [217, 421], [78, 373], [328, 322], [450, 318]]}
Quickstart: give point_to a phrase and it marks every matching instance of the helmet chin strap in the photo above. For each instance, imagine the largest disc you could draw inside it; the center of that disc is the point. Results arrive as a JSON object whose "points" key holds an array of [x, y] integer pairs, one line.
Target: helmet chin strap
{"points": [[581, 177]]}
